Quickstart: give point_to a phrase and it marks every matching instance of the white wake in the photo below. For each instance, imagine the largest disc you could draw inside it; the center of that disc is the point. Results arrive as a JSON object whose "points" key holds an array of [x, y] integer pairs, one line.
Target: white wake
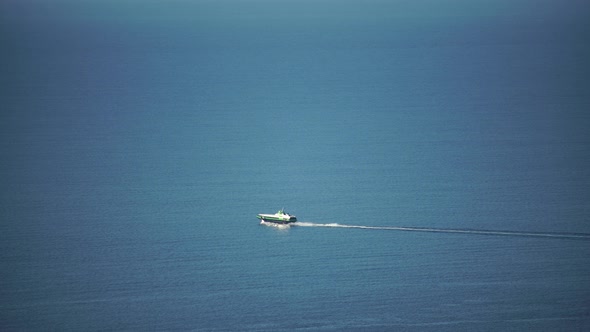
{"points": [[582, 236], [275, 225]]}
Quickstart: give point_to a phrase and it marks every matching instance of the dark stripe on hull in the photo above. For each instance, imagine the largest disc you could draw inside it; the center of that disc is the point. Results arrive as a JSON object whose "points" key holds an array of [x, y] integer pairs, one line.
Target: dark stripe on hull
{"points": [[276, 221]]}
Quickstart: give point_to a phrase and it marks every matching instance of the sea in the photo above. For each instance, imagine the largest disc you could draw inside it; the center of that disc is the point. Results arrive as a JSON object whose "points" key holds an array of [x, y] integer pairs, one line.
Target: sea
{"points": [[435, 153]]}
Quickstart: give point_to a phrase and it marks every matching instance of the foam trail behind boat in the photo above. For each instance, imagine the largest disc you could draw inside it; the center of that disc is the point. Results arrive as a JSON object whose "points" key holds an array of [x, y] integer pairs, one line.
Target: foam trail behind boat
{"points": [[579, 236]]}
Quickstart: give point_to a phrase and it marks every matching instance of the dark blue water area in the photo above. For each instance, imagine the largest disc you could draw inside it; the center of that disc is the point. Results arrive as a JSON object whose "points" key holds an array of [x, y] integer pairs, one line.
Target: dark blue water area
{"points": [[138, 144]]}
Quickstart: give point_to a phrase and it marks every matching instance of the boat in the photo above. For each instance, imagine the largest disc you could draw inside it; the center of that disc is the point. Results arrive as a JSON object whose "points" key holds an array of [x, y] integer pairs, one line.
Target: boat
{"points": [[281, 217]]}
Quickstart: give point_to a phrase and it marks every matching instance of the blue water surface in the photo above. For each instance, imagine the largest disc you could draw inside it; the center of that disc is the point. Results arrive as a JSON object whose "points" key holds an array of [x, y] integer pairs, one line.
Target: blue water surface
{"points": [[140, 139]]}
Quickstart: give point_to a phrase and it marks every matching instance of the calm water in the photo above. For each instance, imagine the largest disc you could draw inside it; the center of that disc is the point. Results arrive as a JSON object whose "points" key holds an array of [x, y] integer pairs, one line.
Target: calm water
{"points": [[139, 141]]}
